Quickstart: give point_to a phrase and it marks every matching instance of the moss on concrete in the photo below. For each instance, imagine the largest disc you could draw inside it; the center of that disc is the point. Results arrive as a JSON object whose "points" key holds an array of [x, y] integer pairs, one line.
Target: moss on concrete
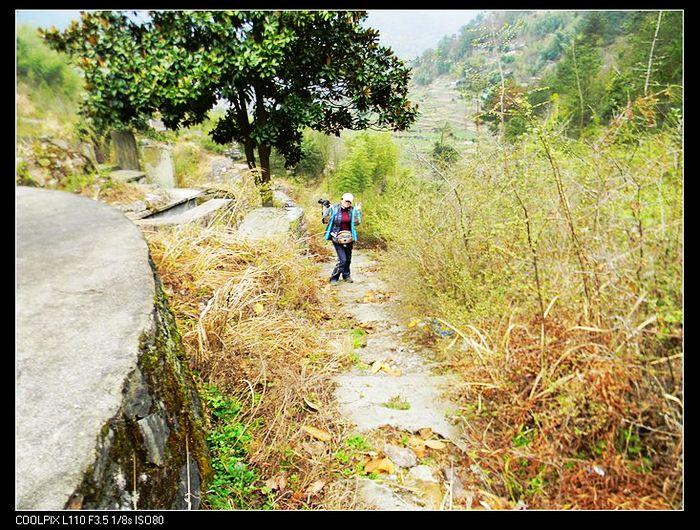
{"points": [[163, 389]]}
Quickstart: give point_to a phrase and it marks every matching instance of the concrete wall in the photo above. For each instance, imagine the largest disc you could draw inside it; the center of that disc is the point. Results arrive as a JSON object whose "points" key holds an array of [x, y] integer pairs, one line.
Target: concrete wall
{"points": [[106, 407]]}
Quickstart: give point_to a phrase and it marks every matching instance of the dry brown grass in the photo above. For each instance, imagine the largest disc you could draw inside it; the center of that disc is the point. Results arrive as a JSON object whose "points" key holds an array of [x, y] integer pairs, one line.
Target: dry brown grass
{"points": [[257, 321], [118, 193], [548, 426]]}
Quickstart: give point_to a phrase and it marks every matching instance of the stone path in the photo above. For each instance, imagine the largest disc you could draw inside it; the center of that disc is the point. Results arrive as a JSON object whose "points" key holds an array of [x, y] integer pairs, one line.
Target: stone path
{"points": [[363, 392]]}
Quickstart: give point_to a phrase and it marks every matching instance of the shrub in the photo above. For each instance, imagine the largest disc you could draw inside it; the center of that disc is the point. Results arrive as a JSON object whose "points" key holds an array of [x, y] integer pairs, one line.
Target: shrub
{"points": [[570, 356]]}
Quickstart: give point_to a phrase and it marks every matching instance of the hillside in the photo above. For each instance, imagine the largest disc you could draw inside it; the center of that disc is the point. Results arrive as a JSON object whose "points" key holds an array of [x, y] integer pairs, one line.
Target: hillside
{"points": [[584, 67], [439, 103], [505, 331]]}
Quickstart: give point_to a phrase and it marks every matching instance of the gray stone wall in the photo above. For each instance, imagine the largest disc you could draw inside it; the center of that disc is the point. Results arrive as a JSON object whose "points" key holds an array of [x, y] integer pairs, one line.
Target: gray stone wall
{"points": [[107, 411]]}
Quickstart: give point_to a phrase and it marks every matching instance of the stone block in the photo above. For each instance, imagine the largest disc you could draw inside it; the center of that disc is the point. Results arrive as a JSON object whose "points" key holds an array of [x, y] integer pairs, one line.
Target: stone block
{"points": [[103, 393]]}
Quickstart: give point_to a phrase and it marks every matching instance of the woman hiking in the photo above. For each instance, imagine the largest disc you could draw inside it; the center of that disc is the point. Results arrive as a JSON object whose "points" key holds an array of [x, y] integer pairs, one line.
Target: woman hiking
{"points": [[342, 219]]}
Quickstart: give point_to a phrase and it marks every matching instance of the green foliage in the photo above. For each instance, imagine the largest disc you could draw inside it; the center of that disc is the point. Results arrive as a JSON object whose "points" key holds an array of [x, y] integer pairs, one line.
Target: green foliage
{"points": [[234, 483], [77, 182], [600, 62], [370, 166], [24, 177], [444, 153], [524, 437], [187, 157], [359, 338], [575, 81], [314, 155], [358, 443], [397, 403], [40, 67], [370, 160], [48, 88], [296, 69]]}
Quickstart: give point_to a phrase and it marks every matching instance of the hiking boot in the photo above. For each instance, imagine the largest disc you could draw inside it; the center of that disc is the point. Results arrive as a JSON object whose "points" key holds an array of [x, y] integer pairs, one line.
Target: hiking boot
{"points": [[333, 281], [348, 280]]}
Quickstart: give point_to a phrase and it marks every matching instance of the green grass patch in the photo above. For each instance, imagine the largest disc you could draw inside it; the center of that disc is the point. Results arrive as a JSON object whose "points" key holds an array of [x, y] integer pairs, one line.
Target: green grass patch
{"points": [[359, 338], [234, 483], [397, 403]]}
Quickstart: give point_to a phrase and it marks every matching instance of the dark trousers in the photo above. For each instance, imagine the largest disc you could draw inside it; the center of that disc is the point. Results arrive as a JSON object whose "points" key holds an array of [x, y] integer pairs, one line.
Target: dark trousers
{"points": [[344, 257]]}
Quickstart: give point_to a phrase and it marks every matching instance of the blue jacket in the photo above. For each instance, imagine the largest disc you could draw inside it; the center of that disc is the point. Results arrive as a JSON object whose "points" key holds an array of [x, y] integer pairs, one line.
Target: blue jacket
{"points": [[330, 217]]}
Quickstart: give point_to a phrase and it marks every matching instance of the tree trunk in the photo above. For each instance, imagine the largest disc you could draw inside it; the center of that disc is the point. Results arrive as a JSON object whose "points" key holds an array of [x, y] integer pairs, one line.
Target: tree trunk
{"points": [[651, 54], [125, 148], [249, 148], [578, 83], [263, 177]]}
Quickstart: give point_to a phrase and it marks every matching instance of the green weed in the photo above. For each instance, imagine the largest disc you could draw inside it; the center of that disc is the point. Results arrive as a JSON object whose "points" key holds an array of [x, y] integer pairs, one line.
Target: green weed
{"points": [[397, 403], [234, 483]]}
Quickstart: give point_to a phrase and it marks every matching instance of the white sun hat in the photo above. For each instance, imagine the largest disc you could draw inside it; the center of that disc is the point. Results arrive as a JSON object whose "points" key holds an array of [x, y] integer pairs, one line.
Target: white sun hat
{"points": [[348, 197]]}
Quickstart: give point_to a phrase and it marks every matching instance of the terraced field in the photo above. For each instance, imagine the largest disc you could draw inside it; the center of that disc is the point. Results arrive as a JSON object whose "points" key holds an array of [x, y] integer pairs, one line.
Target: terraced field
{"points": [[439, 103]]}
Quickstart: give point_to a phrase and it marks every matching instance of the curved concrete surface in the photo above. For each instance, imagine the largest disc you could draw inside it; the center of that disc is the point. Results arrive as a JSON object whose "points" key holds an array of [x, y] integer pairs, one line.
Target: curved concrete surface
{"points": [[85, 292]]}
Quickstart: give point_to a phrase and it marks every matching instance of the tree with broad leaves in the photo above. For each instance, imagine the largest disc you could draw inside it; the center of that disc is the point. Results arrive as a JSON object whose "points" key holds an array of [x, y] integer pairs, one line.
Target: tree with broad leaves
{"points": [[280, 72]]}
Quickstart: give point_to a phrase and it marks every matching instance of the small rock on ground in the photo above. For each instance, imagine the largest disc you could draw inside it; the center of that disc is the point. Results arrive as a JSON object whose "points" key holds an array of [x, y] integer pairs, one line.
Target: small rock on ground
{"points": [[382, 497], [401, 456], [422, 472]]}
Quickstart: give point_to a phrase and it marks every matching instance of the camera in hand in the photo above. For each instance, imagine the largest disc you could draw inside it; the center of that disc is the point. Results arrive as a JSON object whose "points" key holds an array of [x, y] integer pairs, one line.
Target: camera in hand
{"points": [[325, 202]]}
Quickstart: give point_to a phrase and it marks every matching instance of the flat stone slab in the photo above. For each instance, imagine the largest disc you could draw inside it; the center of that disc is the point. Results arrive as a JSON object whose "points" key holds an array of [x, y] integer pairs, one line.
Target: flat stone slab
{"points": [[127, 175], [368, 313], [85, 293], [199, 214], [361, 398], [179, 201], [205, 211], [180, 195], [383, 347], [269, 222]]}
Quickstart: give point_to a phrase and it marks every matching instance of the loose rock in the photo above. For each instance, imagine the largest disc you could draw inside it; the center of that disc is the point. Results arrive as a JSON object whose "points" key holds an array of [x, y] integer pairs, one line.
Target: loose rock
{"points": [[423, 472], [401, 456]]}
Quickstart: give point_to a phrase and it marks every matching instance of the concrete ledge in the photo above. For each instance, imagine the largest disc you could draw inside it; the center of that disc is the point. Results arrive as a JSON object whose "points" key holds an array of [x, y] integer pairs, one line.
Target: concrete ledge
{"points": [[200, 214], [97, 353], [127, 175], [181, 200]]}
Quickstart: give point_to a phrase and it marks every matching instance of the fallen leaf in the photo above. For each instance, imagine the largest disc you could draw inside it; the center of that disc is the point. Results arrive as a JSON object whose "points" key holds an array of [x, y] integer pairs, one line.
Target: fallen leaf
{"points": [[319, 434], [435, 444], [75, 502], [376, 366], [390, 370], [380, 465], [432, 494], [415, 441], [316, 487], [425, 433], [258, 308], [419, 450], [311, 404]]}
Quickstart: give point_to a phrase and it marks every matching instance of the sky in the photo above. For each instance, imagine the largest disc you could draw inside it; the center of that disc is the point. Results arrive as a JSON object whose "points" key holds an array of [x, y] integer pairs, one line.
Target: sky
{"points": [[408, 32], [45, 18]]}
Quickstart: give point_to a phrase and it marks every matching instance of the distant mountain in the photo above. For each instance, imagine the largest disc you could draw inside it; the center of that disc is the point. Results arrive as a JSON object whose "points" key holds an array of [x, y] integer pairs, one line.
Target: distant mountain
{"points": [[410, 32]]}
